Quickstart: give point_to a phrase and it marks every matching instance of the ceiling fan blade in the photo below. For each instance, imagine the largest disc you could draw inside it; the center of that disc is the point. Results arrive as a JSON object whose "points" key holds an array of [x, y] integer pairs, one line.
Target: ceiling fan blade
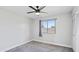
{"points": [[32, 8], [42, 7], [43, 12], [31, 12]]}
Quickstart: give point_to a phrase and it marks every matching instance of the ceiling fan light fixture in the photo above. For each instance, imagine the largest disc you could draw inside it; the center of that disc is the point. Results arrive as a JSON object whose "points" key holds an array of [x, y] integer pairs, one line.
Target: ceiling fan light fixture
{"points": [[36, 10], [37, 13]]}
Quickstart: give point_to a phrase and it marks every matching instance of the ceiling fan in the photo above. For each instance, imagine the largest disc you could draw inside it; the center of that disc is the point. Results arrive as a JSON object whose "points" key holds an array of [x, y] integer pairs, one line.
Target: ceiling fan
{"points": [[37, 10]]}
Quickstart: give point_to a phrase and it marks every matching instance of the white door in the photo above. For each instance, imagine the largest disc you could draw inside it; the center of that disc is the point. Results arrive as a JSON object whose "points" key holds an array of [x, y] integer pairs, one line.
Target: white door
{"points": [[76, 33]]}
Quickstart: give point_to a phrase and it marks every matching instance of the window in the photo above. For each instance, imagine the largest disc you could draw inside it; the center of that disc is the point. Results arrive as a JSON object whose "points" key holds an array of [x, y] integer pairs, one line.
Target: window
{"points": [[48, 26]]}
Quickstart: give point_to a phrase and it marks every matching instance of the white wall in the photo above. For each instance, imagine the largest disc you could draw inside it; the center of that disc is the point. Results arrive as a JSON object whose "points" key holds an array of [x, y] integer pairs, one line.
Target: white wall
{"points": [[14, 30], [63, 34]]}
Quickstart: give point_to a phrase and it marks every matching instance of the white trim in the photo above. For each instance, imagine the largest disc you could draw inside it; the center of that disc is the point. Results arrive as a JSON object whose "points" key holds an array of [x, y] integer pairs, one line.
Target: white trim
{"points": [[21, 43], [53, 43]]}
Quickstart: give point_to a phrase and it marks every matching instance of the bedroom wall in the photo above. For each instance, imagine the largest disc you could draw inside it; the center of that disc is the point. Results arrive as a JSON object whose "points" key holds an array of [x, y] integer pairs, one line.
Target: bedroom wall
{"points": [[14, 30], [63, 36]]}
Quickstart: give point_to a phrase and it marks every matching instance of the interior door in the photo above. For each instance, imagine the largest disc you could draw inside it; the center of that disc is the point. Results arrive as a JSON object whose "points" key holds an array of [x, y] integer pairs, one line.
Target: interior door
{"points": [[76, 33]]}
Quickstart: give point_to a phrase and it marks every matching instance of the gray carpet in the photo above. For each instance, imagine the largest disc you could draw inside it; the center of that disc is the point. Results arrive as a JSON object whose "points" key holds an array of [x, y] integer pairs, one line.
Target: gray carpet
{"points": [[34, 46]]}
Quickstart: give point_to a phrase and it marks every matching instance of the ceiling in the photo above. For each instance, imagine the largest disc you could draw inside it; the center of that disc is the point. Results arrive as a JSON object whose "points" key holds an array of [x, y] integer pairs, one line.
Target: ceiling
{"points": [[51, 10]]}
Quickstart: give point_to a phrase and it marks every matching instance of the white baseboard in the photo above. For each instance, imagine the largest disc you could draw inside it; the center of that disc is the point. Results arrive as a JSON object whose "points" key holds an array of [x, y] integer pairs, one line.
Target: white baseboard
{"points": [[53, 43], [21, 43]]}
